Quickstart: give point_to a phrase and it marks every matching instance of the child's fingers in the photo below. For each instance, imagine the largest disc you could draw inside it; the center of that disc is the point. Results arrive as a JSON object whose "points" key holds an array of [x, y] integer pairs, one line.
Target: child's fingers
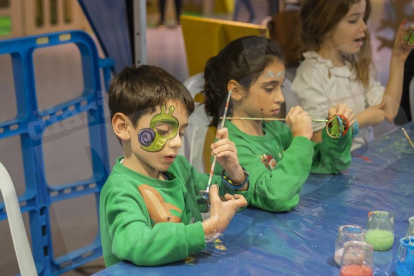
{"points": [[296, 110], [351, 119], [332, 111], [225, 147], [222, 133], [398, 38], [214, 197], [293, 113], [342, 109], [290, 112], [240, 201], [221, 142], [381, 105], [348, 113], [228, 196], [228, 153]]}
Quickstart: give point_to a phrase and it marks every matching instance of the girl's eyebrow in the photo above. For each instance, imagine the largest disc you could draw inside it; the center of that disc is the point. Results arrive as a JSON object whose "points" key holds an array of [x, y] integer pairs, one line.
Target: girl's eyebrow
{"points": [[357, 14], [273, 82], [184, 125], [270, 82]]}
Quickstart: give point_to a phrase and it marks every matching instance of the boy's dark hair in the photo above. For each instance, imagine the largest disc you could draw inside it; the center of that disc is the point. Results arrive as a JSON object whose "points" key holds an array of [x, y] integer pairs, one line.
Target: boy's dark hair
{"points": [[242, 60], [136, 91]]}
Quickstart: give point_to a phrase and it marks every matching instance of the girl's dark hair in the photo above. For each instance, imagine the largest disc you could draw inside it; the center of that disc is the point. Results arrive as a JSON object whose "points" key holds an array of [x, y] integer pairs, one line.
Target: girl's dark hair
{"points": [[242, 60], [137, 91], [321, 16]]}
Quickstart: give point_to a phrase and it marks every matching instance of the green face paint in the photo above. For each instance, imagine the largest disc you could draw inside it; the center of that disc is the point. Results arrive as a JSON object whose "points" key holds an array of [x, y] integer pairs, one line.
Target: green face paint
{"points": [[163, 127]]}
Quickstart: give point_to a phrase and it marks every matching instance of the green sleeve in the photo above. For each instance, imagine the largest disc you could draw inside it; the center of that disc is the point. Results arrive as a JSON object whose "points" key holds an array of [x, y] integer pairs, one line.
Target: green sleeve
{"points": [[278, 190], [134, 240], [200, 181], [332, 155]]}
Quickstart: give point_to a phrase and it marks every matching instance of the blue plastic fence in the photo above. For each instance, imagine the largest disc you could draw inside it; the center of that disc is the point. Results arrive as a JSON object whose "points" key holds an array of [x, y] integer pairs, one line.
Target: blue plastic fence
{"points": [[30, 123]]}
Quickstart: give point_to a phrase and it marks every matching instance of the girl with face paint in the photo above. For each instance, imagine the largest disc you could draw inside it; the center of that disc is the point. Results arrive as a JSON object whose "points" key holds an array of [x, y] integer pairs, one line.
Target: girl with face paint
{"points": [[278, 156]]}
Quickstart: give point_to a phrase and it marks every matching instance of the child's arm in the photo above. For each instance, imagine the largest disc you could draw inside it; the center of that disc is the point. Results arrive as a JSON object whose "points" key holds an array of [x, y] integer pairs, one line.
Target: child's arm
{"points": [[277, 190], [134, 240], [226, 153], [393, 91], [333, 155], [372, 116]]}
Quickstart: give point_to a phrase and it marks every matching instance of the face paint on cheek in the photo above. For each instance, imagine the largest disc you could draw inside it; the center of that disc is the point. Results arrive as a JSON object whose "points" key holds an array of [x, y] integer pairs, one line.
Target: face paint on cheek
{"points": [[153, 141], [146, 136]]}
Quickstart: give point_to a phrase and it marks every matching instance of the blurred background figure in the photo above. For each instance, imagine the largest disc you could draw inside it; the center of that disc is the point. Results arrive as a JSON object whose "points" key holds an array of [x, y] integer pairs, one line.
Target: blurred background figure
{"points": [[249, 7], [289, 5], [404, 113], [273, 7], [161, 5]]}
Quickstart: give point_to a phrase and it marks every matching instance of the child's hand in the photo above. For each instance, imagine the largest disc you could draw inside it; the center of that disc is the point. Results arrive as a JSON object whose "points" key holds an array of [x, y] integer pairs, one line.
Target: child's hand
{"points": [[226, 153], [299, 122], [401, 51], [376, 114], [221, 212], [344, 110]]}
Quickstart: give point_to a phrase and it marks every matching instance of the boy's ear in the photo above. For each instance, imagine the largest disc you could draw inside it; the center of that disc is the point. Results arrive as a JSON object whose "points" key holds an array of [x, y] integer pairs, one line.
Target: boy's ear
{"points": [[236, 92], [120, 125]]}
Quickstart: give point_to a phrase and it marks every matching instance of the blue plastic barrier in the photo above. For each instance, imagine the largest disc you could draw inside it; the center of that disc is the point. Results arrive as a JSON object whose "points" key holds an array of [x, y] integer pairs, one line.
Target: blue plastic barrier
{"points": [[31, 123]]}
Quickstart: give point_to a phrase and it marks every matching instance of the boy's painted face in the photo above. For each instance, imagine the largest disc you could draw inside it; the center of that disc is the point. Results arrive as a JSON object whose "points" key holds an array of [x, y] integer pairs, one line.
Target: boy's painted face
{"points": [[264, 98], [348, 35], [158, 136], [163, 127]]}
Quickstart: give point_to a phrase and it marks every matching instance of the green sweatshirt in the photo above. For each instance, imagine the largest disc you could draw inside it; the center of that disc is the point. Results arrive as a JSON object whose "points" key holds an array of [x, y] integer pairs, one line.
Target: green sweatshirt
{"points": [[151, 222], [279, 164]]}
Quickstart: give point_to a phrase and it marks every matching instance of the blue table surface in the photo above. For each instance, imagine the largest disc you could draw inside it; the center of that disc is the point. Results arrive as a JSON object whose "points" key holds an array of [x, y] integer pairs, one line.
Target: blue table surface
{"points": [[302, 242]]}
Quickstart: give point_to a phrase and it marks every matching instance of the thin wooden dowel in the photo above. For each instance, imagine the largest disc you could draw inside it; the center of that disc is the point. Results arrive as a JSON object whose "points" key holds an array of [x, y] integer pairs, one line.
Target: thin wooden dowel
{"points": [[268, 119], [408, 137], [213, 164]]}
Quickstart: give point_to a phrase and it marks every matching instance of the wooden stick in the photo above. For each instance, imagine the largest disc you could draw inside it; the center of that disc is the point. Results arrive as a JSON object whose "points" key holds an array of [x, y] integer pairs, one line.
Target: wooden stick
{"points": [[268, 119], [408, 137], [213, 164]]}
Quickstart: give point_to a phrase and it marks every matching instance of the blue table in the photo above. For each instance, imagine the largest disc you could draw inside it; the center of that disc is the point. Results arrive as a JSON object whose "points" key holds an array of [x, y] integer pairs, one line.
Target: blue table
{"points": [[302, 242]]}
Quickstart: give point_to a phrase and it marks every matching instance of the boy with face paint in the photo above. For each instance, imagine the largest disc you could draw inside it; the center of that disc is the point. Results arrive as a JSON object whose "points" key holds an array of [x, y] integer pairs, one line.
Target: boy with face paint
{"points": [[150, 204]]}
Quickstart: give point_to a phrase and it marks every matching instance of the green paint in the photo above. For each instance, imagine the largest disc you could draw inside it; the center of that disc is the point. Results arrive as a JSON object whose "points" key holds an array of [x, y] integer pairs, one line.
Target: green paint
{"points": [[161, 138], [382, 240]]}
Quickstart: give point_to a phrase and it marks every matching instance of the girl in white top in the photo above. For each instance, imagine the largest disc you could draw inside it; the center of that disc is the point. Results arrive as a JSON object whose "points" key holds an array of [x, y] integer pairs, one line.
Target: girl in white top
{"points": [[338, 66]]}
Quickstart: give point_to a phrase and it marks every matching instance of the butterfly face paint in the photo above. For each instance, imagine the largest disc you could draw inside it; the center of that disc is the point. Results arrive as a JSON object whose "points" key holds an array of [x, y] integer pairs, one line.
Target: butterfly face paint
{"points": [[163, 127], [271, 75]]}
